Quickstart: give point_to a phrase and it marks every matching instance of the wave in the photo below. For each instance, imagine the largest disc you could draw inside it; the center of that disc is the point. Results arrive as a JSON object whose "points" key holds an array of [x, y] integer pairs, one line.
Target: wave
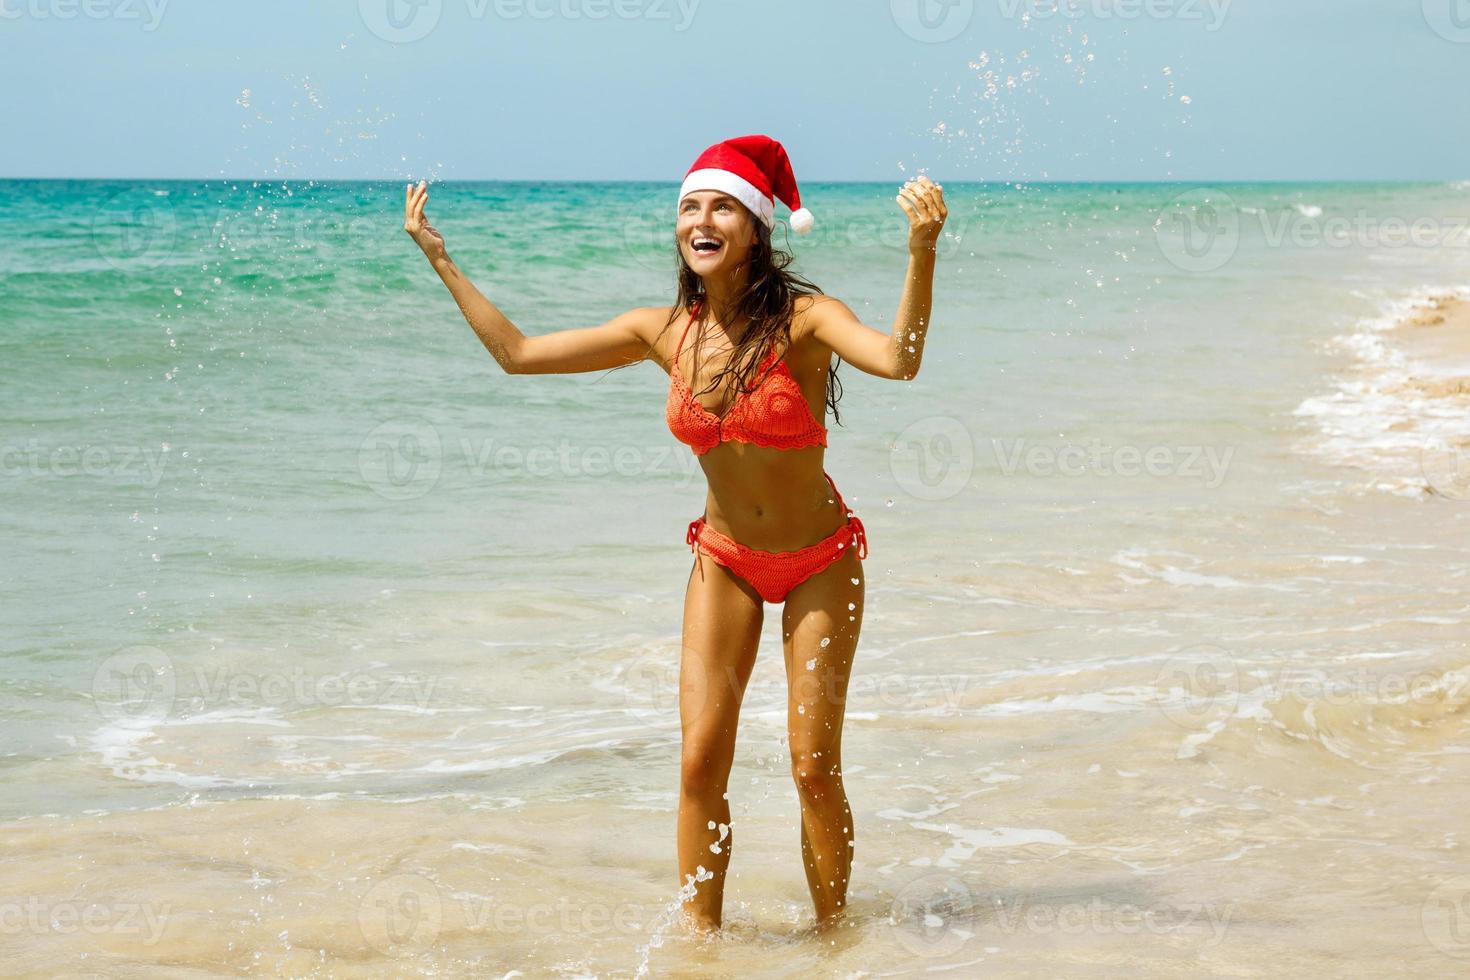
{"points": [[1361, 719], [1401, 410]]}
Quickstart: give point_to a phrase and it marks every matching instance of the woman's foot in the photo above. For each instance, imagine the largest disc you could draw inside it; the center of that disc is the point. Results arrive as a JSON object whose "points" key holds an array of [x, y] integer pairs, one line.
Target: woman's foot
{"points": [[698, 925]]}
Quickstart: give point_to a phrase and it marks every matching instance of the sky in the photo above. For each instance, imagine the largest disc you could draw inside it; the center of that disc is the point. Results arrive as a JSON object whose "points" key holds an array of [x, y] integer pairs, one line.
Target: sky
{"points": [[634, 89]]}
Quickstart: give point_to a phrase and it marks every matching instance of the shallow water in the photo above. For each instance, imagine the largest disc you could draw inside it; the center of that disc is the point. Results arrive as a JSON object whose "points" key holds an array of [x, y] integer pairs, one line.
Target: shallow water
{"points": [[333, 651]]}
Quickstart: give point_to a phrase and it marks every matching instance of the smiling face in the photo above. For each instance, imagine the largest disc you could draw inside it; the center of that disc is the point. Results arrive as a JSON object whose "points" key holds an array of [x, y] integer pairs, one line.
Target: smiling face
{"points": [[715, 232]]}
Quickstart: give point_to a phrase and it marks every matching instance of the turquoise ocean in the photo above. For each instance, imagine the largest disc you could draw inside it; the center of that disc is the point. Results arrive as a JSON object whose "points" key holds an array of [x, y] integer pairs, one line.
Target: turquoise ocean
{"points": [[327, 642]]}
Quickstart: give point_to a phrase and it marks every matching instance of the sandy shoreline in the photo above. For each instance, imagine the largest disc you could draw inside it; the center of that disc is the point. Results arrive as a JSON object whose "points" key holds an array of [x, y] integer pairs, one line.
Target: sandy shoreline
{"points": [[1437, 333], [1402, 411]]}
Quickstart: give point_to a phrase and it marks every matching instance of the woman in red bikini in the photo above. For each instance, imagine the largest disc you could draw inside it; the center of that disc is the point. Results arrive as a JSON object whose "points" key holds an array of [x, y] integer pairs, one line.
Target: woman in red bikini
{"points": [[774, 527]]}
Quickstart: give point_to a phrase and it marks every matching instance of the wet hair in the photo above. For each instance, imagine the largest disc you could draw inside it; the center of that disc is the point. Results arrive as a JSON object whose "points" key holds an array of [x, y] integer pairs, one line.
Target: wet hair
{"points": [[768, 303]]}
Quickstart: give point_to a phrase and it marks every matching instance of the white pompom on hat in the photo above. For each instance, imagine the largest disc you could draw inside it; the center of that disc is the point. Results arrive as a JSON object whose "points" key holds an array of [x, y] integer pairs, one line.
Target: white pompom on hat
{"points": [[755, 171]]}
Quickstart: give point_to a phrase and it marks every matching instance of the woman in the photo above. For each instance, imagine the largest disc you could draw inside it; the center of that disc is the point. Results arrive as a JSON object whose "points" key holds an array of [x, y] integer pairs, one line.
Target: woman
{"points": [[774, 528]]}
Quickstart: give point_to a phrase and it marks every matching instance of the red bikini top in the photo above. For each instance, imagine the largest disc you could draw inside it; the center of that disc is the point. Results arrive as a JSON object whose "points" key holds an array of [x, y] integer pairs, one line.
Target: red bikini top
{"points": [[775, 413]]}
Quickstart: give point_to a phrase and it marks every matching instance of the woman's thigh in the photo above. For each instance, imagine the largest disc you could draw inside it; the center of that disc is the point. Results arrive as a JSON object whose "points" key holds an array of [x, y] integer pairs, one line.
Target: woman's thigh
{"points": [[820, 624], [722, 626]]}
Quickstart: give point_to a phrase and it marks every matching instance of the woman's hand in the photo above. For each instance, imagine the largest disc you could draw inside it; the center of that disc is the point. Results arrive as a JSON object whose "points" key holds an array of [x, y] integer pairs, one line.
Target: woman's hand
{"points": [[424, 235], [923, 201]]}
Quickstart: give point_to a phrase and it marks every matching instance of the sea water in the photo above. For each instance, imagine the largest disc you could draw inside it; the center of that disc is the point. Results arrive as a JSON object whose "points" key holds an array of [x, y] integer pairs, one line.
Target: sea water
{"points": [[331, 649]]}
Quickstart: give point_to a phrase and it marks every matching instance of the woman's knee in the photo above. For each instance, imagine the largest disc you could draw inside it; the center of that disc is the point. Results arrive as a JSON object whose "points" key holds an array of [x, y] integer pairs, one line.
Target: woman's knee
{"points": [[816, 772], [704, 767]]}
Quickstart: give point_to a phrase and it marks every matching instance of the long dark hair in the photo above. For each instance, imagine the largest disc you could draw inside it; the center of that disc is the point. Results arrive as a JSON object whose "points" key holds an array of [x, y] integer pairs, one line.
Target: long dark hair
{"points": [[768, 302]]}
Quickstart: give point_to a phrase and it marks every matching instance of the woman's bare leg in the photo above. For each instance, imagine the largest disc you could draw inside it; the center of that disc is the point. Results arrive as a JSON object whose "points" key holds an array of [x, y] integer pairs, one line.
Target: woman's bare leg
{"points": [[722, 628], [819, 629]]}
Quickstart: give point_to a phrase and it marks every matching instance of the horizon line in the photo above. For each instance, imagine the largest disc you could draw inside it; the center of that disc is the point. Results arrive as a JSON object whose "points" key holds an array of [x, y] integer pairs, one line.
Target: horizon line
{"points": [[810, 180]]}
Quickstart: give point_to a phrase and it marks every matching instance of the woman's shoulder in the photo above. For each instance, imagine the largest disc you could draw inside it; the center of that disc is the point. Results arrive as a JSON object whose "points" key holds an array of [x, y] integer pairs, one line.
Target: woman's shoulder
{"points": [[660, 327], [806, 350], [806, 312]]}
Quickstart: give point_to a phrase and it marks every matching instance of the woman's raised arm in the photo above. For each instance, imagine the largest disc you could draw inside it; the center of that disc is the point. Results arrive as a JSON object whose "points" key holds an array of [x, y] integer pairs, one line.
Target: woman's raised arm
{"points": [[622, 340], [895, 355]]}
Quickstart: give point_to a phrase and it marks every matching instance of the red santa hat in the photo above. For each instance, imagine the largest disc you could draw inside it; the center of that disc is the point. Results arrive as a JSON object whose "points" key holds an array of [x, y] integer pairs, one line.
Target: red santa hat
{"points": [[753, 170]]}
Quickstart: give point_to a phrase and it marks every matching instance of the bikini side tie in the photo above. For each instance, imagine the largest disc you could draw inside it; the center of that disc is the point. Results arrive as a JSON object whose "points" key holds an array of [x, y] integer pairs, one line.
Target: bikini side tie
{"points": [[859, 536]]}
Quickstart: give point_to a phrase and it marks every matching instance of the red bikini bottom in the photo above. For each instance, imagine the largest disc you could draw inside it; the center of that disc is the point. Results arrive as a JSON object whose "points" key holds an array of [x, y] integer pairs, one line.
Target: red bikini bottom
{"points": [[775, 573]]}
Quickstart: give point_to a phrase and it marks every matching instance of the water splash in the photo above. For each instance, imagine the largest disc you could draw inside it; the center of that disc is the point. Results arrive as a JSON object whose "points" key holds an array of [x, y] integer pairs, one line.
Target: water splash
{"points": [[671, 913]]}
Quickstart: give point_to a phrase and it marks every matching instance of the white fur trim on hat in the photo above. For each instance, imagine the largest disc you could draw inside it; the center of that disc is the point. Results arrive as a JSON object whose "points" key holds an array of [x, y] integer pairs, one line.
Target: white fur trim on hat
{"points": [[737, 187]]}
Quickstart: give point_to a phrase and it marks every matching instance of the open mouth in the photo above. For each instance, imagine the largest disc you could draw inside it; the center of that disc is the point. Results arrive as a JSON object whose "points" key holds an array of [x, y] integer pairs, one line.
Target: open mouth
{"points": [[707, 246]]}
